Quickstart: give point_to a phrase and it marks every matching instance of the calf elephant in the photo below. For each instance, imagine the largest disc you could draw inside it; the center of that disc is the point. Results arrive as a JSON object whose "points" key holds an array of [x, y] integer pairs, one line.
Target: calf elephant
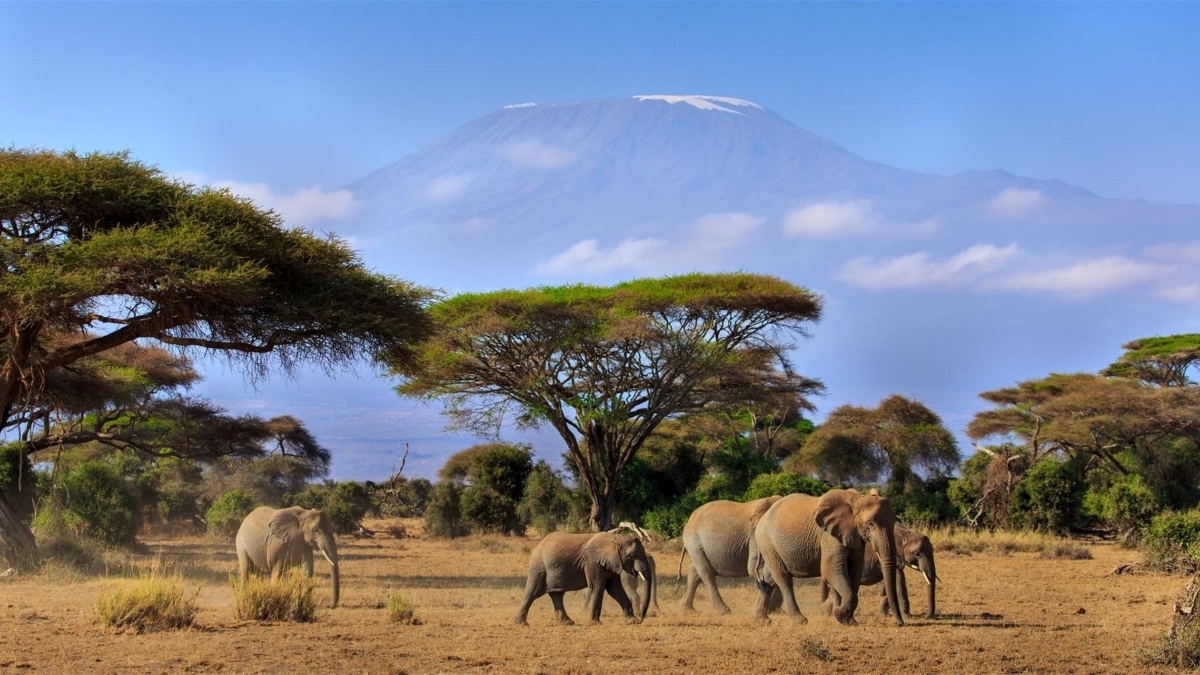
{"points": [[916, 551], [272, 540], [630, 582], [717, 537], [572, 562], [804, 536]]}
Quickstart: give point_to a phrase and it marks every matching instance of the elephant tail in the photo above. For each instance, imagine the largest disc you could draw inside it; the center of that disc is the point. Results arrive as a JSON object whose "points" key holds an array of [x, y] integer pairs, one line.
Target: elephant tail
{"points": [[679, 572]]}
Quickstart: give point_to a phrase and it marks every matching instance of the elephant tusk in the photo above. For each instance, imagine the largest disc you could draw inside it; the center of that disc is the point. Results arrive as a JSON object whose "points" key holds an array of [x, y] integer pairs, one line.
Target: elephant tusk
{"points": [[927, 581], [641, 576], [331, 563], [912, 566]]}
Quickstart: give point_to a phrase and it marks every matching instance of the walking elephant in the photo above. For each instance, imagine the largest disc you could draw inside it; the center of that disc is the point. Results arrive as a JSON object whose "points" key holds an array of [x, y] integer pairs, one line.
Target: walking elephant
{"points": [[631, 582], [717, 537], [272, 540], [572, 562], [804, 536], [915, 551]]}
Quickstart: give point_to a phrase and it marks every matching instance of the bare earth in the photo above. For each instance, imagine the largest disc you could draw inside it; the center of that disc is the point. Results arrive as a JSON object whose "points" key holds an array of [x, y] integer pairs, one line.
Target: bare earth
{"points": [[999, 614]]}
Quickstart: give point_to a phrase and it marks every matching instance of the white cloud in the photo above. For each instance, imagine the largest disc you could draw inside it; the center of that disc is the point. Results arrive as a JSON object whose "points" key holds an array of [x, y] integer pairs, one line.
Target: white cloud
{"points": [[1016, 202], [1180, 252], [1088, 276], [1184, 293], [922, 269], [834, 219], [448, 187], [827, 220], [533, 152], [587, 257], [722, 231], [302, 206]]}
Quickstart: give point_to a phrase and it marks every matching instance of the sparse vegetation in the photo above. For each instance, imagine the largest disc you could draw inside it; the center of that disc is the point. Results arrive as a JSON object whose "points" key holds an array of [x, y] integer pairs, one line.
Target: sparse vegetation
{"points": [[150, 603], [228, 512], [1171, 543], [400, 609], [1180, 647], [288, 597], [1066, 550]]}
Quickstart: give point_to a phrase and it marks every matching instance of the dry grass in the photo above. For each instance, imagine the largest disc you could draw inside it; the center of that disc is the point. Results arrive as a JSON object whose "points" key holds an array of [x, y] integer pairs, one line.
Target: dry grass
{"points": [[957, 541], [288, 597], [1180, 647], [151, 603], [1067, 550], [401, 609], [997, 613]]}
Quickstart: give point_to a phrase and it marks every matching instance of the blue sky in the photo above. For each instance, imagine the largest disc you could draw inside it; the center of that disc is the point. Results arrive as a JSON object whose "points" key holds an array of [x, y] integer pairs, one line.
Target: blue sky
{"points": [[280, 98]]}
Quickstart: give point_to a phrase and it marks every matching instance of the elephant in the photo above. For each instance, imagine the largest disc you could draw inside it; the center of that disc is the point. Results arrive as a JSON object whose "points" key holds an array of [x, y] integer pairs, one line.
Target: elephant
{"points": [[630, 583], [804, 536], [272, 540], [717, 537], [916, 551], [572, 562]]}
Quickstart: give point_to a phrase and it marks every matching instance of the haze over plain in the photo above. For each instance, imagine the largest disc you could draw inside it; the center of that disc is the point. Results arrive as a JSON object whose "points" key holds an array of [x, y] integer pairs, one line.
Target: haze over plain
{"points": [[854, 161]]}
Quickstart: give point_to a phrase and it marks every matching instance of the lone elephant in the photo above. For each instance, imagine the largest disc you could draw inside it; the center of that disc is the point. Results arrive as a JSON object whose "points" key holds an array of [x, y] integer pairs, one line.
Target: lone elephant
{"points": [[272, 540], [804, 536], [572, 562], [717, 538], [916, 551]]}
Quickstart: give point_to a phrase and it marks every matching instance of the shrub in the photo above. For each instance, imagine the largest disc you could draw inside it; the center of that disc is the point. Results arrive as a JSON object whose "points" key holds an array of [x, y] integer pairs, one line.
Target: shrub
{"points": [[1169, 542], [1067, 550], [770, 484], [443, 514], [1180, 647], [486, 511], [402, 610], [1127, 504], [669, 520], [925, 503], [228, 512], [17, 479], [345, 504], [98, 502], [546, 502], [150, 603], [1048, 498], [288, 597]]}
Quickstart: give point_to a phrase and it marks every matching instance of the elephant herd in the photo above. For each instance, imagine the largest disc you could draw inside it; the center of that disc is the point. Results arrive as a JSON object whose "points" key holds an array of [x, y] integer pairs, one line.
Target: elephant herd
{"points": [[844, 538]]}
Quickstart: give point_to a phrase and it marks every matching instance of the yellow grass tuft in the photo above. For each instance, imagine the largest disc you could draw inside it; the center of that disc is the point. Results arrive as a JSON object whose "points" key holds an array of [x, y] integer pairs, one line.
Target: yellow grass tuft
{"points": [[286, 598], [150, 603], [401, 609], [999, 542]]}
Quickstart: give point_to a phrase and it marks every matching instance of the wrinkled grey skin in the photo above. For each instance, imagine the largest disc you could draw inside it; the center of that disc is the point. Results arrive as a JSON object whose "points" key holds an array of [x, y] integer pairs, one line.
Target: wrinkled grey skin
{"points": [[916, 551], [272, 540], [717, 539], [630, 583], [572, 562], [804, 537]]}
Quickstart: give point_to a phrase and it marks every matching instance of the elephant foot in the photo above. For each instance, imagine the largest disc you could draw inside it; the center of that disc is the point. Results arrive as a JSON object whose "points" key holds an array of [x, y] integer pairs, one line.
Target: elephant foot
{"points": [[632, 621], [565, 622], [724, 610], [520, 621], [762, 620], [800, 619]]}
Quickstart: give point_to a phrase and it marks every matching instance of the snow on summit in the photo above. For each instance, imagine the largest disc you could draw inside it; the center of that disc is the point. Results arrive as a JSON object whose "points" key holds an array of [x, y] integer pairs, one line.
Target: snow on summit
{"points": [[704, 102]]}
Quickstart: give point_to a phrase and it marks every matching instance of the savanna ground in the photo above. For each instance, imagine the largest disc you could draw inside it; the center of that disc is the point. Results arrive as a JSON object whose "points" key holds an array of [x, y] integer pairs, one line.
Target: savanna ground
{"points": [[999, 613]]}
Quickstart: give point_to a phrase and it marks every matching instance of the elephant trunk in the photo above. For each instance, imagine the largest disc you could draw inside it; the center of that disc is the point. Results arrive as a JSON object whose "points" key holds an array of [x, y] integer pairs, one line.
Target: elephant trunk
{"points": [[329, 550], [643, 569], [925, 564], [885, 545]]}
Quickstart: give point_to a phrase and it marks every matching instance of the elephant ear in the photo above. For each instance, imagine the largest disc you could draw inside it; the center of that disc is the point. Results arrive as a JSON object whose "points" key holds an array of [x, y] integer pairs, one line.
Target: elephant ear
{"points": [[283, 525], [835, 515], [604, 550]]}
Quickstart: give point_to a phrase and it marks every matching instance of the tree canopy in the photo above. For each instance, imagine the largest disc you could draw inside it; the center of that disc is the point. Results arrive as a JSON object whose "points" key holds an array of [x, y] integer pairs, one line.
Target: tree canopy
{"points": [[857, 444], [604, 366], [1163, 361], [99, 250]]}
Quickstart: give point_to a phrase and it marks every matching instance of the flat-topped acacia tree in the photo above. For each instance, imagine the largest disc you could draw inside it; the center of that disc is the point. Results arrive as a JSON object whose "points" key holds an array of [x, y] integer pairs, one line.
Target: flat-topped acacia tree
{"points": [[603, 366], [98, 250]]}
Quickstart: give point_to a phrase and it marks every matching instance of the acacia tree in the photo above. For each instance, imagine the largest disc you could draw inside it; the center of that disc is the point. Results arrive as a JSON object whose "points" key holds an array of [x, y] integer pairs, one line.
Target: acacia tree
{"points": [[603, 366], [98, 250], [899, 435], [1162, 361]]}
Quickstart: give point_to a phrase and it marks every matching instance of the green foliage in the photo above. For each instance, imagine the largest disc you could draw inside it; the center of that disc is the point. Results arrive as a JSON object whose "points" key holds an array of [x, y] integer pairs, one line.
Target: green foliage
{"points": [[1049, 497], [99, 501], [227, 513], [925, 503], [669, 520], [770, 484], [18, 482], [443, 514], [345, 503], [546, 502], [1126, 503], [495, 475], [486, 511], [1162, 361], [1171, 542]]}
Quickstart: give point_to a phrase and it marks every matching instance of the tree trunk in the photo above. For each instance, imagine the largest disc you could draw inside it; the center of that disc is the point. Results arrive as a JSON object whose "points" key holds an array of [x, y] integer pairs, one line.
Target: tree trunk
{"points": [[18, 549], [600, 516]]}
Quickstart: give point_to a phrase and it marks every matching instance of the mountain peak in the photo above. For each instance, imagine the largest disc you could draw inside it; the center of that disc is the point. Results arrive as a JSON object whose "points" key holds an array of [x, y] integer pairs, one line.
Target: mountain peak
{"points": [[703, 102]]}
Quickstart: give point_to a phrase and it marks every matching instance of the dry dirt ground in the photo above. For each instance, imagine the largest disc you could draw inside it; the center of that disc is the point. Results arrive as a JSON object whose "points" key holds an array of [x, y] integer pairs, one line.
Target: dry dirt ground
{"points": [[999, 614]]}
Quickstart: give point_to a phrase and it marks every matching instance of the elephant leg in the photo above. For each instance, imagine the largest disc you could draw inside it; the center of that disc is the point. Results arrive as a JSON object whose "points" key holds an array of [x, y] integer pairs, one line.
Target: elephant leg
{"points": [[560, 611], [827, 602], [902, 591], [844, 591], [884, 606], [783, 580], [617, 591], [689, 594], [709, 576], [535, 587], [243, 566], [308, 563], [596, 595]]}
